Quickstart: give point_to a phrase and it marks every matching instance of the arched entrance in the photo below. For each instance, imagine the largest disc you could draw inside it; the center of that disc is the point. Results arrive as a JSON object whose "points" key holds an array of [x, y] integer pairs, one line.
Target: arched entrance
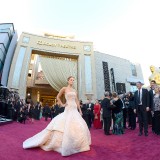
{"points": [[47, 74]]}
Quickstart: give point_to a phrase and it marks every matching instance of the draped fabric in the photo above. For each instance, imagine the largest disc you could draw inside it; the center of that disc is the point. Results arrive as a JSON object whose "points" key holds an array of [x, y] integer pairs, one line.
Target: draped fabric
{"points": [[57, 70]]}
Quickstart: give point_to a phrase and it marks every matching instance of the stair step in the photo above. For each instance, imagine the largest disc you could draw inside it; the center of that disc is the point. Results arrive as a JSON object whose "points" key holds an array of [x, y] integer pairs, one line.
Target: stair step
{"points": [[5, 121]]}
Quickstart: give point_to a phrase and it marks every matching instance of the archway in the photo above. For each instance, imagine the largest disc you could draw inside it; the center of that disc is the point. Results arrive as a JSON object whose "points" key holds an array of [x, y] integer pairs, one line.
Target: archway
{"points": [[47, 74]]}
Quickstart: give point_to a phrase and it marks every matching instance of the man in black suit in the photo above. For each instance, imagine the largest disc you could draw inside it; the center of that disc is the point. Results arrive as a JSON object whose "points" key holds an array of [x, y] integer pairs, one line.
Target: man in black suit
{"points": [[37, 111], [151, 95], [142, 107], [90, 114], [84, 112], [106, 113], [46, 111]]}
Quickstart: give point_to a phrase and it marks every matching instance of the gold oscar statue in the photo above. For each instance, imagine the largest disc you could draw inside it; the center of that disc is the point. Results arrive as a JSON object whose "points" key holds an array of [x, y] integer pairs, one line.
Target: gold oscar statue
{"points": [[155, 74]]}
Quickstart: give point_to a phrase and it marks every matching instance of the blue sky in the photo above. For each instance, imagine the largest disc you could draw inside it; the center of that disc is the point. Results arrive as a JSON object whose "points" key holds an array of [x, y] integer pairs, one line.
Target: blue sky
{"points": [[126, 28]]}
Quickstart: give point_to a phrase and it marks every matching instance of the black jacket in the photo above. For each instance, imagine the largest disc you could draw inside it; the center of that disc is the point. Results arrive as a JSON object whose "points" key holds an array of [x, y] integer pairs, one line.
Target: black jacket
{"points": [[131, 103], [151, 95], [90, 112], [106, 107], [84, 109], [145, 99], [117, 106]]}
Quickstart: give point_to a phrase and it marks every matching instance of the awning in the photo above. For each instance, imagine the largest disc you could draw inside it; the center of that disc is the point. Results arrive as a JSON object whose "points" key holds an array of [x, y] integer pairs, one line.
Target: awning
{"points": [[134, 80]]}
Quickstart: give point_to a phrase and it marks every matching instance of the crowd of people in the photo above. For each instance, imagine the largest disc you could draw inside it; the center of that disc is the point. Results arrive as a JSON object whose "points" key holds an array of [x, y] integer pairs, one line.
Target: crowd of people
{"points": [[112, 113], [119, 112], [108, 113], [20, 111]]}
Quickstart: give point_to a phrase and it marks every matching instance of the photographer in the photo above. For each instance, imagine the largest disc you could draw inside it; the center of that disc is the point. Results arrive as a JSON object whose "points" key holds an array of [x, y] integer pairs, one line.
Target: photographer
{"points": [[84, 111], [46, 112], [22, 115]]}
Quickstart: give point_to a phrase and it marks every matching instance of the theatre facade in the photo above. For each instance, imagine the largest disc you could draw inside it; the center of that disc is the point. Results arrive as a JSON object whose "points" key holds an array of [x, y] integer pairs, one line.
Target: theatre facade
{"points": [[41, 65]]}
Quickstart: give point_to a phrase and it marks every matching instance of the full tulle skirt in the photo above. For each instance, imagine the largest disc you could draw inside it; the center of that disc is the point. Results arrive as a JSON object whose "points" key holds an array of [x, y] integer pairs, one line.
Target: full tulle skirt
{"points": [[67, 134]]}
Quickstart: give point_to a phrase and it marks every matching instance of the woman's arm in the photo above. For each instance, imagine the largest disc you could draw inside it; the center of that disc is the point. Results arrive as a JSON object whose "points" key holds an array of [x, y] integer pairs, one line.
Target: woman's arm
{"points": [[61, 92], [78, 104]]}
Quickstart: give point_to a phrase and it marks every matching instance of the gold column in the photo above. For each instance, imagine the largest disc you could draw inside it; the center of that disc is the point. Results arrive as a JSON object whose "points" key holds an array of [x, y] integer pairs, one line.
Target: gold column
{"points": [[38, 96]]}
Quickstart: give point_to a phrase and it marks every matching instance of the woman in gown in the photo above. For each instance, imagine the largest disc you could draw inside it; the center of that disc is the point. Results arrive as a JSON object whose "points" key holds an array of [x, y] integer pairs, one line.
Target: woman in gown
{"points": [[67, 133], [97, 112], [117, 114]]}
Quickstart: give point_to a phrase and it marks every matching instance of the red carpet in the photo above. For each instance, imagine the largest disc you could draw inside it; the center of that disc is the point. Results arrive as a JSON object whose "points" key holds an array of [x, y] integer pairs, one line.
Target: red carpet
{"points": [[125, 147]]}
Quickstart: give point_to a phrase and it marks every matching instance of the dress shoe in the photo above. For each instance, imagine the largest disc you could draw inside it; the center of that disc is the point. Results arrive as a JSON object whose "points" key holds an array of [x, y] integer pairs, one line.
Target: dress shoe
{"points": [[107, 134], [140, 134], [146, 134]]}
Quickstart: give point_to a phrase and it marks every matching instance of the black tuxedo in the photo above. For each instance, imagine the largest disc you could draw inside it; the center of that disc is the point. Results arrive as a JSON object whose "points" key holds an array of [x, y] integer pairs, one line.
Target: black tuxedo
{"points": [[90, 114], [142, 113], [106, 114], [61, 110], [151, 95], [56, 110], [131, 114], [17, 107], [37, 111], [85, 113], [46, 112], [151, 119]]}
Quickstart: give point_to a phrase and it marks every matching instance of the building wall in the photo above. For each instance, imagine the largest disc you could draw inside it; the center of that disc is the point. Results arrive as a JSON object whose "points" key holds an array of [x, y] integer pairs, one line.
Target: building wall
{"points": [[122, 70], [8, 59], [30, 42], [8, 40]]}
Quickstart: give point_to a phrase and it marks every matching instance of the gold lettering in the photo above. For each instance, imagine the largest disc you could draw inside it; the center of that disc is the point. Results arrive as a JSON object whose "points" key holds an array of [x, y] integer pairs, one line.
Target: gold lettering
{"points": [[39, 42], [55, 45]]}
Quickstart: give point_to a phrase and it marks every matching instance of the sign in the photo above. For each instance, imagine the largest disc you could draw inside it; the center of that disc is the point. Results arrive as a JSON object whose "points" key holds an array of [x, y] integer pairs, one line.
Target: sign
{"points": [[56, 45]]}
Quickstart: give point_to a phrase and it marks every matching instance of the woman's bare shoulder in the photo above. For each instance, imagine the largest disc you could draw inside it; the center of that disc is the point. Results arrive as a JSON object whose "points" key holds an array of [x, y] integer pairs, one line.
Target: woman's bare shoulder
{"points": [[62, 90]]}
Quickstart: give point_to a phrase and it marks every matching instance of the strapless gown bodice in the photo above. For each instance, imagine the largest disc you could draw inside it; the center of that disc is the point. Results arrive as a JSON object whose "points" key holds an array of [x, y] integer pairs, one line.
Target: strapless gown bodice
{"points": [[70, 96], [67, 133], [70, 100]]}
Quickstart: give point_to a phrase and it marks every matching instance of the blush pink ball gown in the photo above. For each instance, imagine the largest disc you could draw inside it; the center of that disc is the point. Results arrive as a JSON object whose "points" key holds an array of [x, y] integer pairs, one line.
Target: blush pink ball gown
{"points": [[67, 133]]}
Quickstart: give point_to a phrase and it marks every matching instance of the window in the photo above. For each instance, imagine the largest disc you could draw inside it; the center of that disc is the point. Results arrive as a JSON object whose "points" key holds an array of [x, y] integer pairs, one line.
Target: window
{"points": [[121, 88], [87, 48], [25, 39], [133, 88], [18, 67], [106, 76], [1, 65], [88, 74], [7, 27], [4, 26], [1, 55], [134, 71]]}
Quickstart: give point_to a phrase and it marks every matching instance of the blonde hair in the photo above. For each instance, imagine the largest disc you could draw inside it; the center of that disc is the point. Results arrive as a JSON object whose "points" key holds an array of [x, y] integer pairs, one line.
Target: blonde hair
{"points": [[69, 78], [114, 95], [157, 89]]}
